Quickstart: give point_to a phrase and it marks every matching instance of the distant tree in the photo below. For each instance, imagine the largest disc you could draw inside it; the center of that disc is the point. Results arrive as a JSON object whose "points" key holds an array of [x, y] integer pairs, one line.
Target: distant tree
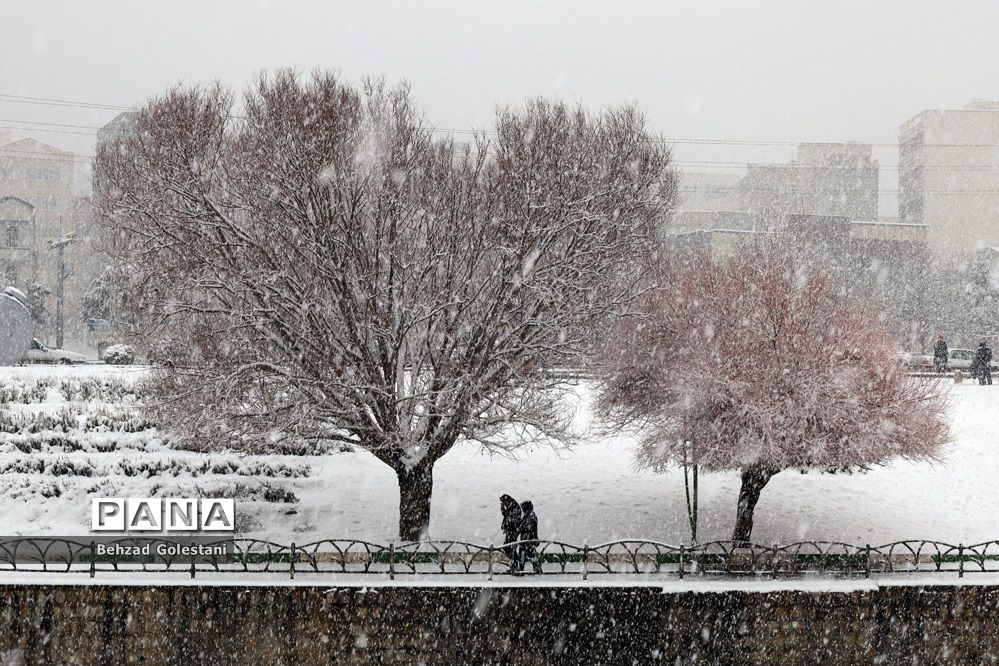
{"points": [[943, 308], [896, 279], [981, 296], [753, 364], [95, 304], [327, 267], [37, 304], [959, 298]]}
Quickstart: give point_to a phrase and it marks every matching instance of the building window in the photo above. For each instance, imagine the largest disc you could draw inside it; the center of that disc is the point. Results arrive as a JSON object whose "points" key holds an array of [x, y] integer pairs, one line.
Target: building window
{"points": [[10, 274], [12, 237], [42, 173]]}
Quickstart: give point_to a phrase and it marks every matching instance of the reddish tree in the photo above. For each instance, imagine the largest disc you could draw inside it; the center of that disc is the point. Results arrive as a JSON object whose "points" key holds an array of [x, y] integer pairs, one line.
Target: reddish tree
{"points": [[753, 364]]}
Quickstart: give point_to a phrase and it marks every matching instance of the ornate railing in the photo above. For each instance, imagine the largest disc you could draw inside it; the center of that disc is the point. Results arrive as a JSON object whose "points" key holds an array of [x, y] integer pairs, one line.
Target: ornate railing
{"points": [[635, 557]]}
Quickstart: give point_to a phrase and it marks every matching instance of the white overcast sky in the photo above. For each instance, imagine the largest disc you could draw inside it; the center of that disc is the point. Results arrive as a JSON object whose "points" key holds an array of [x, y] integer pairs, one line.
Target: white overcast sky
{"points": [[784, 71]]}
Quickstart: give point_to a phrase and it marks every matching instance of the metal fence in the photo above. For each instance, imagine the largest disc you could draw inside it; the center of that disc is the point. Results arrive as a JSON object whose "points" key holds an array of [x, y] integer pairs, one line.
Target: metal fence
{"points": [[635, 557]]}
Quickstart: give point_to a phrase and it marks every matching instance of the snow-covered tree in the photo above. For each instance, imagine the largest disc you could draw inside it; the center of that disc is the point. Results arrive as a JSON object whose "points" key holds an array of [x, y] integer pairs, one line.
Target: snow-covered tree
{"points": [[37, 296], [981, 296], [325, 266], [753, 364], [95, 304], [959, 298]]}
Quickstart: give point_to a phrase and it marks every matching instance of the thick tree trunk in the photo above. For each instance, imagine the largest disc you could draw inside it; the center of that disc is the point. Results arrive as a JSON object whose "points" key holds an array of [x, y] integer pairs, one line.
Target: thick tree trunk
{"points": [[754, 478], [416, 486]]}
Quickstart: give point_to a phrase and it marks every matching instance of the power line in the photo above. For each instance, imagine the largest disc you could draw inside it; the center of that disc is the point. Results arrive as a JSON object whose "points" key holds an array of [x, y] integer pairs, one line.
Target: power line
{"points": [[699, 164], [723, 164], [29, 155], [720, 190], [472, 132], [801, 190], [38, 122], [40, 126], [48, 101], [693, 164], [47, 131], [752, 142]]}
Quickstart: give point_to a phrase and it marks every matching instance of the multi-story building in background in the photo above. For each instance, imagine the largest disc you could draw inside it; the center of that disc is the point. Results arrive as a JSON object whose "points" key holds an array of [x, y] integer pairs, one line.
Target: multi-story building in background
{"points": [[41, 176], [710, 192], [115, 127], [949, 177], [821, 207], [823, 182], [18, 257], [825, 179], [708, 213]]}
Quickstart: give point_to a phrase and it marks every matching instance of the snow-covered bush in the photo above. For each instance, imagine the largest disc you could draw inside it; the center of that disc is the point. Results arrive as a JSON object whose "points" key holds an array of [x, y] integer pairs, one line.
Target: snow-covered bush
{"points": [[100, 389], [104, 419], [119, 355], [63, 421], [27, 393]]}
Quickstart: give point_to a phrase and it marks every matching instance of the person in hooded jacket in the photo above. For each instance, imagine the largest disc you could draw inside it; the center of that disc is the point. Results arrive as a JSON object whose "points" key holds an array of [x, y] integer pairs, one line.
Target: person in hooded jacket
{"points": [[529, 535], [512, 519], [940, 355], [983, 363]]}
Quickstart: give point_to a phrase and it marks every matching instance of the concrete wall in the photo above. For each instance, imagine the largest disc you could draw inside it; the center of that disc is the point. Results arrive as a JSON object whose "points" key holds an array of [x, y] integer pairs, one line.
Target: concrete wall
{"points": [[440, 625]]}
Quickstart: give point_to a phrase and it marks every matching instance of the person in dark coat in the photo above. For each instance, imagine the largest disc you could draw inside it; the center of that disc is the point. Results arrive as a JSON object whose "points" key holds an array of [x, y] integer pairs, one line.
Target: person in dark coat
{"points": [[983, 364], [512, 519], [940, 355], [529, 535]]}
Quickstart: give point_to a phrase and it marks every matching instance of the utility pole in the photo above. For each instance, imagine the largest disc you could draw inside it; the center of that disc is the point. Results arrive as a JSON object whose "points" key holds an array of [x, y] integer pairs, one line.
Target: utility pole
{"points": [[60, 247]]}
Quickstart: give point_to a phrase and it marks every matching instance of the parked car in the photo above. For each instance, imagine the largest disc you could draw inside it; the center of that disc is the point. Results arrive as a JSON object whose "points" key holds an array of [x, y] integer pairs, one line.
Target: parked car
{"points": [[39, 353], [959, 359]]}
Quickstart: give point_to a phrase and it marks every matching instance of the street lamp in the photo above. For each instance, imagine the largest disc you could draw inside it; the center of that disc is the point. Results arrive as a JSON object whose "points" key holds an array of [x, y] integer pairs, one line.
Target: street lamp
{"points": [[59, 246]]}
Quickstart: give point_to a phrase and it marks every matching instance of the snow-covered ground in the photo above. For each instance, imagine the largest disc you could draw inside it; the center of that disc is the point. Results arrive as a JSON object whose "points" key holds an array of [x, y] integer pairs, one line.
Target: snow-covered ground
{"points": [[591, 493]]}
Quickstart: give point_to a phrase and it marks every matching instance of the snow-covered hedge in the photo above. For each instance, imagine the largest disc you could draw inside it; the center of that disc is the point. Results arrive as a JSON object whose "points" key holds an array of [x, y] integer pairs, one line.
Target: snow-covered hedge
{"points": [[62, 465]]}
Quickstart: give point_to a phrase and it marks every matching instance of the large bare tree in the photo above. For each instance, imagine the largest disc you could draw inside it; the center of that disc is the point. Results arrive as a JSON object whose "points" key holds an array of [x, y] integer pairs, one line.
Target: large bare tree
{"points": [[755, 363], [321, 265]]}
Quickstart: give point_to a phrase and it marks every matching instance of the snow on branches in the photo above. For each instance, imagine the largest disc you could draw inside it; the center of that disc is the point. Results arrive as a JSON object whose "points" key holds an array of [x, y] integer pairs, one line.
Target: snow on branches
{"points": [[336, 269], [753, 363]]}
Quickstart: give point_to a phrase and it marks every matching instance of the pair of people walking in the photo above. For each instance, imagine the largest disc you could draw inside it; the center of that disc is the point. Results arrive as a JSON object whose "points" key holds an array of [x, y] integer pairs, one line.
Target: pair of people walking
{"points": [[520, 534], [981, 367]]}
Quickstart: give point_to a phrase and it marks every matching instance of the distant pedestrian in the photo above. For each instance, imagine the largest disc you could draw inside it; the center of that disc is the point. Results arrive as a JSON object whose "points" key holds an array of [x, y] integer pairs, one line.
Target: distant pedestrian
{"points": [[529, 535], [983, 363], [512, 519], [941, 355]]}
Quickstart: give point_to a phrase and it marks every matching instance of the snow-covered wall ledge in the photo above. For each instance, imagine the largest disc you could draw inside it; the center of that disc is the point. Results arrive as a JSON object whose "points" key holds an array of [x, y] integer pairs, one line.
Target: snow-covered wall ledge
{"points": [[42, 624]]}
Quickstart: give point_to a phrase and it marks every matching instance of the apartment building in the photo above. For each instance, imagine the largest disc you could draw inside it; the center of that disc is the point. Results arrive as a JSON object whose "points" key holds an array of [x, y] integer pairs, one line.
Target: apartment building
{"points": [[823, 179], [37, 205], [18, 257], [42, 176], [949, 177]]}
